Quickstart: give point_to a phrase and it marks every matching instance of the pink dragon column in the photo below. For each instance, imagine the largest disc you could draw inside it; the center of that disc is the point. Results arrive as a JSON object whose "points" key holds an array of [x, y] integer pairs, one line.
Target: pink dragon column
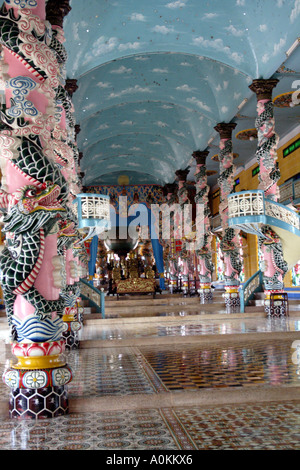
{"points": [[65, 134], [274, 265], [204, 236], [183, 198], [229, 242], [168, 229], [35, 198]]}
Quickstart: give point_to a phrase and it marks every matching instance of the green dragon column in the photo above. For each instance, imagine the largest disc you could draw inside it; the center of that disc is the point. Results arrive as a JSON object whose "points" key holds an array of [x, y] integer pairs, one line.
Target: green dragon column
{"points": [[35, 198], [229, 241], [181, 229], [168, 236], [203, 244], [274, 266]]}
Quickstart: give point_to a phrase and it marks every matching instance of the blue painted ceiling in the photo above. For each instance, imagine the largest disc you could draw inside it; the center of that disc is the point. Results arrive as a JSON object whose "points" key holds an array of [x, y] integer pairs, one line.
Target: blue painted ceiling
{"points": [[155, 77]]}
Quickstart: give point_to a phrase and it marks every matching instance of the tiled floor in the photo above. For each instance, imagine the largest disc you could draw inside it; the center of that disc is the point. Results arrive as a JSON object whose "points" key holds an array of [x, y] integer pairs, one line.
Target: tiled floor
{"points": [[177, 328], [154, 370], [244, 364], [271, 427]]}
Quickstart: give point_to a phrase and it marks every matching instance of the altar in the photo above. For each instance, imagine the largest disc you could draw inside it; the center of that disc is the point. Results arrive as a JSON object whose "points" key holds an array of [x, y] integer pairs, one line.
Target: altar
{"points": [[136, 286]]}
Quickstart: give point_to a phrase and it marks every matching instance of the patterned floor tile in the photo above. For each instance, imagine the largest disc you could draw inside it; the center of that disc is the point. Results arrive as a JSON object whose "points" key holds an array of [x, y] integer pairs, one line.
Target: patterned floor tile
{"points": [[187, 367], [252, 427], [122, 430], [125, 371], [106, 372]]}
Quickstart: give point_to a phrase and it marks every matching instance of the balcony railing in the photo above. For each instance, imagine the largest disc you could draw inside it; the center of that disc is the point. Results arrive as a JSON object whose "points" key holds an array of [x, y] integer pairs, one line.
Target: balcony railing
{"points": [[290, 191], [247, 210]]}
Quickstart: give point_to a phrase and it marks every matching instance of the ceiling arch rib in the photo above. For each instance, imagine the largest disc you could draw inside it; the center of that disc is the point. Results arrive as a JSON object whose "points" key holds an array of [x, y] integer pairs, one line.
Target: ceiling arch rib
{"points": [[185, 80], [128, 177], [169, 150], [143, 116], [175, 134], [181, 107], [170, 165]]}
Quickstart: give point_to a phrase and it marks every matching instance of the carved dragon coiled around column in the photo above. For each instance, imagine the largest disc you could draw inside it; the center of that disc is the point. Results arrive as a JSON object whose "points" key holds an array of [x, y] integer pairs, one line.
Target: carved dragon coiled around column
{"points": [[30, 215], [231, 252], [276, 267]]}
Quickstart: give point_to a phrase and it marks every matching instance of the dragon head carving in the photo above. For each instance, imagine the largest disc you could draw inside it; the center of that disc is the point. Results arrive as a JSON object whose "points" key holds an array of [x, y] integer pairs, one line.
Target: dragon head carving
{"points": [[270, 236]]}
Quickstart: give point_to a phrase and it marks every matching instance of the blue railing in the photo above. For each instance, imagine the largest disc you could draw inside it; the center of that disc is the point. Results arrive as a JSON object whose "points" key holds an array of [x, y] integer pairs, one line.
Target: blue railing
{"points": [[248, 289], [95, 296]]}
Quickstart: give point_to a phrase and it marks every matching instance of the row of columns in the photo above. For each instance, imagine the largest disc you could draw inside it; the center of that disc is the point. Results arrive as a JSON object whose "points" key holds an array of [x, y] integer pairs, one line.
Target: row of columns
{"points": [[274, 267]]}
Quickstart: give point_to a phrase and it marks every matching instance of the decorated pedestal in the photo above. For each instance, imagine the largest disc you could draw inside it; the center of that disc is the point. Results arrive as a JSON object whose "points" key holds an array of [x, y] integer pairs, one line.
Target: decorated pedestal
{"points": [[71, 321], [274, 268], [231, 297], [38, 380], [276, 303], [205, 293], [228, 239], [71, 327], [172, 283], [203, 243]]}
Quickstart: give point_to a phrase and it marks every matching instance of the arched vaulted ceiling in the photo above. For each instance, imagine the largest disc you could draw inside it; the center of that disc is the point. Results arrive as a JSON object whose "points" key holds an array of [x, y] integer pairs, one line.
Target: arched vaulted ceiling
{"points": [[154, 78]]}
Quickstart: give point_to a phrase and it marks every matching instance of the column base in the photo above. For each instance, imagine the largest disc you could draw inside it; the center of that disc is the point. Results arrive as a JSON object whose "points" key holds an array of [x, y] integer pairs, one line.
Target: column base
{"points": [[71, 339], [276, 304], [185, 285], [232, 299], [70, 333], [172, 285], [43, 403], [206, 296]]}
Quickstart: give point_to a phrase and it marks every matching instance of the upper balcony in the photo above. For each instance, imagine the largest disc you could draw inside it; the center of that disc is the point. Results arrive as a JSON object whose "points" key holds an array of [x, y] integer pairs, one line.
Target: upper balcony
{"points": [[248, 210]]}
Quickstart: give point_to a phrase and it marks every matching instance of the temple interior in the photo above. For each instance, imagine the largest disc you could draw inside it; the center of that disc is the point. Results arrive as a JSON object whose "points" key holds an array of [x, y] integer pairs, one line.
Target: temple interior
{"points": [[149, 201]]}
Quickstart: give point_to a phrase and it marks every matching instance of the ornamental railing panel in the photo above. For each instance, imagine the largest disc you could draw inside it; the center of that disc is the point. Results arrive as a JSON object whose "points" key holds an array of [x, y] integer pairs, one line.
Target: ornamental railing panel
{"points": [[283, 213], [247, 210], [286, 191], [246, 203], [297, 189]]}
